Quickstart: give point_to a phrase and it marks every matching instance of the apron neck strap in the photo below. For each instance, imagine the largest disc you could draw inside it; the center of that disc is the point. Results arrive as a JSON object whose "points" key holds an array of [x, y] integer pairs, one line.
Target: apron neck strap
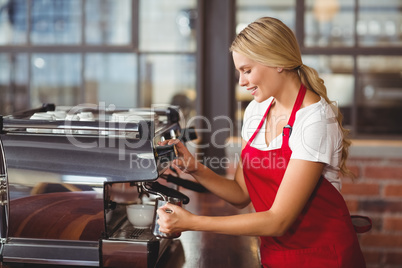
{"points": [[287, 130], [261, 123]]}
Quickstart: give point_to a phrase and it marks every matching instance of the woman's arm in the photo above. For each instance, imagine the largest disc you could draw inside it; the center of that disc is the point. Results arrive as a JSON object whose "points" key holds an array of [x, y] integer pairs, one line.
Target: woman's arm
{"points": [[232, 191], [300, 180]]}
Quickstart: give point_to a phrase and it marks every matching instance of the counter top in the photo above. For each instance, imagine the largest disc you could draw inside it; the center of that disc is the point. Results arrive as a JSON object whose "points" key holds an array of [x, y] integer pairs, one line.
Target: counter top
{"points": [[376, 148]]}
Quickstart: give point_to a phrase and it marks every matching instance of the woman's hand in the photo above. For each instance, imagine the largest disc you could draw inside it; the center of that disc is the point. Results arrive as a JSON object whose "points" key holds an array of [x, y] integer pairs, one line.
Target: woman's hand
{"points": [[173, 219], [185, 162]]}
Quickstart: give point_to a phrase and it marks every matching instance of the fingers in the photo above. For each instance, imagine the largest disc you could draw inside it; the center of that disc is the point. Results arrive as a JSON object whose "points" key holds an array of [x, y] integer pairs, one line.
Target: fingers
{"points": [[177, 170], [179, 144], [170, 142], [167, 218], [185, 162], [164, 221], [180, 166], [169, 208]]}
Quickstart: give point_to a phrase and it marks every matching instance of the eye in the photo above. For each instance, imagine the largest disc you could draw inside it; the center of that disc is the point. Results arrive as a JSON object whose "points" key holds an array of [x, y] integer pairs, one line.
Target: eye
{"points": [[247, 72]]}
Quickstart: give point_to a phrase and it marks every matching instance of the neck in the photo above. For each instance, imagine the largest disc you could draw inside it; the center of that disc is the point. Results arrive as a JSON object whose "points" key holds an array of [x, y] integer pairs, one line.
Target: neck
{"points": [[285, 98]]}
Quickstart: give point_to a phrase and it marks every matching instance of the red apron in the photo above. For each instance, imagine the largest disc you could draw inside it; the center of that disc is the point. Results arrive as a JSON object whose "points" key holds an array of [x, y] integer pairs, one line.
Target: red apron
{"points": [[323, 234]]}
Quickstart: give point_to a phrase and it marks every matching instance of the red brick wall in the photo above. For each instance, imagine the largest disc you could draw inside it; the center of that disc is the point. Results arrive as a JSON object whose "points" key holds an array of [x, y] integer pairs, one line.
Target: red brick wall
{"points": [[377, 193]]}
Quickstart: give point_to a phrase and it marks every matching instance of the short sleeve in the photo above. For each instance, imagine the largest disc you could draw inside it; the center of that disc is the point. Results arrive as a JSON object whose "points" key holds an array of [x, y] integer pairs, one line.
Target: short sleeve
{"points": [[316, 136]]}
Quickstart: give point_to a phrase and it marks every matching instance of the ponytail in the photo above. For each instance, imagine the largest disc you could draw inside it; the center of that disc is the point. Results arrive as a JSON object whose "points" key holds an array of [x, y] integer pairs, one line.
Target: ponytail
{"points": [[309, 77]]}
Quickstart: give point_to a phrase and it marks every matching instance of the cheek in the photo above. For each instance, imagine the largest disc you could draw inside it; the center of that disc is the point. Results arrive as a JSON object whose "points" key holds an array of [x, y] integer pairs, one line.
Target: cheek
{"points": [[265, 81], [261, 77], [256, 79]]}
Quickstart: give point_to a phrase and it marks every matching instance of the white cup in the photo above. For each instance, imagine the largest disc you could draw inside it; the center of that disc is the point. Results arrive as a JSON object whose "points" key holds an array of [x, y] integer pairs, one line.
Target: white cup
{"points": [[141, 216]]}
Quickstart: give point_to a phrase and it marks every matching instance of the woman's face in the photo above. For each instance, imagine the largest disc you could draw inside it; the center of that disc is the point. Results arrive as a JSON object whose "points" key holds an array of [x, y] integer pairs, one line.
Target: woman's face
{"points": [[261, 81]]}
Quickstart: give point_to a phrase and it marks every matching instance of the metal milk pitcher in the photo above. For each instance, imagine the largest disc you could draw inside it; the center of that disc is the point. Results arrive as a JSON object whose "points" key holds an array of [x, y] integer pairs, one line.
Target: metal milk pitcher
{"points": [[160, 203]]}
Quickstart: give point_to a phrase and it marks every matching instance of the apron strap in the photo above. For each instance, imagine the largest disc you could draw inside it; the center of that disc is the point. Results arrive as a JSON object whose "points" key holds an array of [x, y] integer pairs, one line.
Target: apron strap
{"points": [[261, 123], [287, 130]]}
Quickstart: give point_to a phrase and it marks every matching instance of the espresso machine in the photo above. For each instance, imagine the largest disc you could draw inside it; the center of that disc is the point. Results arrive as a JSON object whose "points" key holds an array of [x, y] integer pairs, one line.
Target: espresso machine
{"points": [[68, 175]]}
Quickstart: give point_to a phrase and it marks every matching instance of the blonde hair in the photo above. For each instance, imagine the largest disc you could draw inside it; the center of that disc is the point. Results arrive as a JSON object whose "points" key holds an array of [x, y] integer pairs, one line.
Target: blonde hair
{"points": [[270, 42]]}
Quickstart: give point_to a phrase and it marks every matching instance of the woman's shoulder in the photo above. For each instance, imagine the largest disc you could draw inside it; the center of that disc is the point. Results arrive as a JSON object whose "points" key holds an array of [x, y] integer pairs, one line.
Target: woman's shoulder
{"points": [[316, 135], [318, 120], [319, 109]]}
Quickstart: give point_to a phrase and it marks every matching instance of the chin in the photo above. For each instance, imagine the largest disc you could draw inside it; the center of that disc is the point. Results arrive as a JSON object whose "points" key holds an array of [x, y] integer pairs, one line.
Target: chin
{"points": [[260, 99]]}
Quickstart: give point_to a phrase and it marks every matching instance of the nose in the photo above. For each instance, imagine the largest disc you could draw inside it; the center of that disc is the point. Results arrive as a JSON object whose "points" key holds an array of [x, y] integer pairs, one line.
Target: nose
{"points": [[242, 80]]}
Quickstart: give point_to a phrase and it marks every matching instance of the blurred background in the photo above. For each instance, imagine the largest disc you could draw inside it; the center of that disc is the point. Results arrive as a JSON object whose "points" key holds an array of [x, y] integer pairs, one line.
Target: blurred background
{"points": [[136, 53]]}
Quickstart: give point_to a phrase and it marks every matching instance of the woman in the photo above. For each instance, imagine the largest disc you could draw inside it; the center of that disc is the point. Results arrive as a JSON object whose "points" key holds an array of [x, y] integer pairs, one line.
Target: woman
{"points": [[293, 148]]}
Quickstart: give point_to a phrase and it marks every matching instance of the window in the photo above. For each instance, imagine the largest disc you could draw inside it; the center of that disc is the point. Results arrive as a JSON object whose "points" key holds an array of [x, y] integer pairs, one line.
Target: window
{"points": [[142, 52], [379, 94], [92, 51], [327, 23], [355, 46], [337, 73]]}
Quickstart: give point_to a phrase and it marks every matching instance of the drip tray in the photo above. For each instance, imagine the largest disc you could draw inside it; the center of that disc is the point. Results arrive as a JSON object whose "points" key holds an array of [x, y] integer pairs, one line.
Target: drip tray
{"points": [[128, 232]]}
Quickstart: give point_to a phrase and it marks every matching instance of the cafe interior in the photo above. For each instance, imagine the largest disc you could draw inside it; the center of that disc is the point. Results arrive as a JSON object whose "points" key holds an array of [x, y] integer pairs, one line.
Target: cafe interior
{"points": [[135, 54]]}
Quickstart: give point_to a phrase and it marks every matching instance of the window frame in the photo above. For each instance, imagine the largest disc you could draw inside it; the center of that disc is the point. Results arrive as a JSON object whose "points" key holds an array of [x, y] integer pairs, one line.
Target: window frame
{"points": [[353, 51]]}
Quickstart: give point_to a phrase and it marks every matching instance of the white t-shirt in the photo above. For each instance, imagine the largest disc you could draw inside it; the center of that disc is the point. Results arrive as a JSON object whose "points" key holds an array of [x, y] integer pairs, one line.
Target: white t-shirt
{"points": [[316, 135]]}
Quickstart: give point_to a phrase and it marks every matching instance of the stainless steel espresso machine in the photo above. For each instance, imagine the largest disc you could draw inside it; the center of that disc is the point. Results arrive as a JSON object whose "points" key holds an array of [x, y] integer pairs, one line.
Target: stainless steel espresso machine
{"points": [[68, 175]]}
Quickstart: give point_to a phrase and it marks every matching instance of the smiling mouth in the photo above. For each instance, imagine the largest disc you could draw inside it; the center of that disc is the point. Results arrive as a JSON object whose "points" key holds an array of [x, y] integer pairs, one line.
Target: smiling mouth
{"points": [[253, 90]]}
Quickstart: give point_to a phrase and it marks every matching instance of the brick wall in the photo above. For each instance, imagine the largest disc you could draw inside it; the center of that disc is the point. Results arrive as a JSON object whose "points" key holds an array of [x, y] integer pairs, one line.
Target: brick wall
{"points": [[377, 193]]}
